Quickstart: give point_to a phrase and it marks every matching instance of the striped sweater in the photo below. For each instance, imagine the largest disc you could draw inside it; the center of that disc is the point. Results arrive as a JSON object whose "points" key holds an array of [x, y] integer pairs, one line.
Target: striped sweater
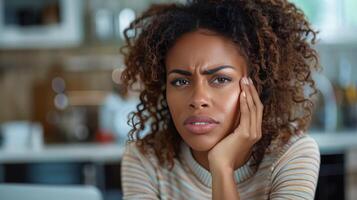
{"points": [[286, 172]]}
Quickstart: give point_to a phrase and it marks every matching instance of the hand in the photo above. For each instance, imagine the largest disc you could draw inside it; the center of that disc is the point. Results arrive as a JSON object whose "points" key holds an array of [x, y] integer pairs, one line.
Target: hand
{"points": [[236, 148]]}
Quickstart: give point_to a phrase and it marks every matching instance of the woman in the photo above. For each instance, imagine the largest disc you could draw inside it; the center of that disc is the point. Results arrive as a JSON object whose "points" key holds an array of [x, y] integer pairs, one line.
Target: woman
{"points": [[226, 88]]}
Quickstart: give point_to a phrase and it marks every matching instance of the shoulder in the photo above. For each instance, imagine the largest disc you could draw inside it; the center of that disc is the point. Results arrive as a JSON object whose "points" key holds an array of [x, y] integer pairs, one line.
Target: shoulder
{"points": [[132, 152], [302, 142], [296, 168], [137, 165], [138, 174], [135, 160], [299, 144], [299, 150]]}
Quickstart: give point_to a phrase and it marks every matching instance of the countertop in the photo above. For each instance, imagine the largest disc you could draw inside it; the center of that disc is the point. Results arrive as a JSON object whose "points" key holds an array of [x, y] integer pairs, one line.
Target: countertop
{"points": [[329, 143]]}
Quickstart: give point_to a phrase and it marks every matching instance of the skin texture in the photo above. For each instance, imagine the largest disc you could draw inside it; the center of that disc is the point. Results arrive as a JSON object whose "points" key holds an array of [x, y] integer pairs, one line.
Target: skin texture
{"points": [[225, 95], [201, 94], [234, 150]]}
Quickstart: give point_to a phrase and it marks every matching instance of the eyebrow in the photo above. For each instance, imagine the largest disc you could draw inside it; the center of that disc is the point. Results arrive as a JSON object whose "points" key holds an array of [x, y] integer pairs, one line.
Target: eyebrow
{"points": [[205, 72]]}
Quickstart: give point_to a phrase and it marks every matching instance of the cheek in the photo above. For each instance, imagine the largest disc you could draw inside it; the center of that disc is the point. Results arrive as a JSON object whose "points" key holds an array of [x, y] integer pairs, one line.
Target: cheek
{"points": [[228, 101]]}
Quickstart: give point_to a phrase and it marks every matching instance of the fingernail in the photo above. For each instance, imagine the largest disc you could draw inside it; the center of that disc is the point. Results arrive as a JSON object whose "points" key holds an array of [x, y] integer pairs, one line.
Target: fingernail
{"points": [[244, 95], [250, 81]]}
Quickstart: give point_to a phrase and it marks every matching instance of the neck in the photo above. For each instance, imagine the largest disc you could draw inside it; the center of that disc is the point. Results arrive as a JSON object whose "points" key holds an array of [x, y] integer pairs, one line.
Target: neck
{"points": [[201, 157]]}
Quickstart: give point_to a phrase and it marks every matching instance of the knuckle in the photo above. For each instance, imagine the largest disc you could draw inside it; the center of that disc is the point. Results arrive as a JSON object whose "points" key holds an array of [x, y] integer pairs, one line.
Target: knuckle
{"points": [[255, 137], [254, 108], [245, 135], [260, 105], [259, 136]]}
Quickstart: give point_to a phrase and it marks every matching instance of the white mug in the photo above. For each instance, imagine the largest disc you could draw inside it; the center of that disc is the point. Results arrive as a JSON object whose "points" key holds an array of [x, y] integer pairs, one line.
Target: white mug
{"points": [[21, 135]]}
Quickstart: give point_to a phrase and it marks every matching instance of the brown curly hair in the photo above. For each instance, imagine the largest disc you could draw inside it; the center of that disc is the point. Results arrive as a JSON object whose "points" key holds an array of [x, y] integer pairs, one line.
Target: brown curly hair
{"points": [[273, 34]]}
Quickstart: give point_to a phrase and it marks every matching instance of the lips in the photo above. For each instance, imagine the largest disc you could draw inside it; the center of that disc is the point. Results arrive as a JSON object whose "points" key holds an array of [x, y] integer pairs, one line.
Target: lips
{"points": [[200, 124]]}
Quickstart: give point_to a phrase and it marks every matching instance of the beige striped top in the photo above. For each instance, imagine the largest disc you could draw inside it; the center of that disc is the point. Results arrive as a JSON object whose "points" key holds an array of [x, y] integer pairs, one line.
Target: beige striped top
{"points": [[286, 172]]}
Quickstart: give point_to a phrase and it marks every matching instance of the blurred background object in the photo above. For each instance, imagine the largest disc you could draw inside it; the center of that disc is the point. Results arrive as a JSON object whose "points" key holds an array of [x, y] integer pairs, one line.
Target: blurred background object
{"points": [[64, 114], [40, 23]]}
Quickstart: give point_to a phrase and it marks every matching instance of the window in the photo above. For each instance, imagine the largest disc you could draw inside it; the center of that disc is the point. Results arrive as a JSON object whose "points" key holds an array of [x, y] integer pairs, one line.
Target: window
{"points": [[335, 19]]}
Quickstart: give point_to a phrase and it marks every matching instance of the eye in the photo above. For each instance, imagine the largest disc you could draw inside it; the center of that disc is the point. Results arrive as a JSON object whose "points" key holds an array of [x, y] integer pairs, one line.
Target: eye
{"points": [[179, 82], [221, 80]]}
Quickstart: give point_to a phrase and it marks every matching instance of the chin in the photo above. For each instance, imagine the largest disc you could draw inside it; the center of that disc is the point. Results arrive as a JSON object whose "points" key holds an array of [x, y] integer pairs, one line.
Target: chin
{"points": [[201, 143]]}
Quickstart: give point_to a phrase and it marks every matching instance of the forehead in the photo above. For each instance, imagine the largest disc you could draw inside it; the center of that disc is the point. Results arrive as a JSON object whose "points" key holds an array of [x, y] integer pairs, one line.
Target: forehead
{"points": [[203, 48]]}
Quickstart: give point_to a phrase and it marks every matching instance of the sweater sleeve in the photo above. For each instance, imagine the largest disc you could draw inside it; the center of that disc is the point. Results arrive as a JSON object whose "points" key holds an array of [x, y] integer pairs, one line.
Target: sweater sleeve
{"points": [[137, 175], [295, 174]]}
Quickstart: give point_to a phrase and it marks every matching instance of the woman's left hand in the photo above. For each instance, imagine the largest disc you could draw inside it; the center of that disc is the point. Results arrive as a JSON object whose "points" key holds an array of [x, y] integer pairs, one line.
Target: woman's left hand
{"points": [[236, 148]]}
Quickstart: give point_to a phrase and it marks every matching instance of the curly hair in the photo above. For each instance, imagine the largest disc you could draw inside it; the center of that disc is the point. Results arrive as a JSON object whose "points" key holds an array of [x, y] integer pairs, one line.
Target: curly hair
{"points": [[276, 39]]}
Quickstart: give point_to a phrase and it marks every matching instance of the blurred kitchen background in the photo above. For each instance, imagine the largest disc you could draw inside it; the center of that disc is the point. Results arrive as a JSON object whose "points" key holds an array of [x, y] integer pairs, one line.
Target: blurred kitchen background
{"points": [[63, 111]]}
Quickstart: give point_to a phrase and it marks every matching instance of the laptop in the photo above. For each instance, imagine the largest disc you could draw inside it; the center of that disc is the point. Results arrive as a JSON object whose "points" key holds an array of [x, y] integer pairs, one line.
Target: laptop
{"points": [[48, 192]]}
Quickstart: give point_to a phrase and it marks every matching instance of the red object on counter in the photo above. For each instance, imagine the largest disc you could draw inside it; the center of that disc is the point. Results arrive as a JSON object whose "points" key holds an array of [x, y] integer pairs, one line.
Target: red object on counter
{"points": [[104, 137]]}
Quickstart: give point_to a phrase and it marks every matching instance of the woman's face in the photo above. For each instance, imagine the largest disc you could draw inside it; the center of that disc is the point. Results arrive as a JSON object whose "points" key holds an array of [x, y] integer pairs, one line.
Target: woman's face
{"points": [[203, 74]]}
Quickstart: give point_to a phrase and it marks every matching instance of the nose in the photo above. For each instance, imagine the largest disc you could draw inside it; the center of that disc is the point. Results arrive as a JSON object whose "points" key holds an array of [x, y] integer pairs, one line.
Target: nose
{"points": [[199, 98]]}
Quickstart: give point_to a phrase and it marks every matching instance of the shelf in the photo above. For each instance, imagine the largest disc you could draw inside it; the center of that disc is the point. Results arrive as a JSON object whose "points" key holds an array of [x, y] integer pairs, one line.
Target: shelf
{"points": [[329, 143], [335, 142], [65, 153]]}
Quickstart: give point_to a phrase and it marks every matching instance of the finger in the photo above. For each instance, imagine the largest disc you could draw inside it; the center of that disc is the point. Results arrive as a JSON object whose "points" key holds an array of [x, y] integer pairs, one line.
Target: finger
{"points": [[259, 107], [254, 91], [244, 110], [252, 110]]}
